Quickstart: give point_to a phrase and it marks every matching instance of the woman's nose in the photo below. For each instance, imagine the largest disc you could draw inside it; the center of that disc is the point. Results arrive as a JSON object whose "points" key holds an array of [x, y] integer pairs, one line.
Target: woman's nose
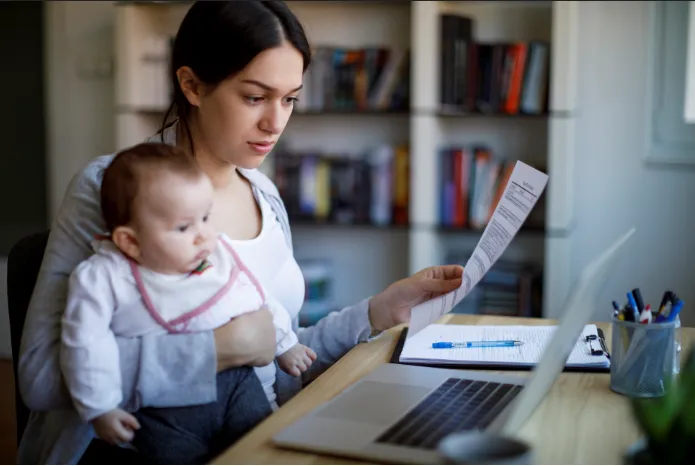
{"points": [[274, 119]]}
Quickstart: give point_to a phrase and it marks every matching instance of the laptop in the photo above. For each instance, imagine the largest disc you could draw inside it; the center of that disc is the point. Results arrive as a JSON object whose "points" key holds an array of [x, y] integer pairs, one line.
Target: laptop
{"points": [[399, 413]]}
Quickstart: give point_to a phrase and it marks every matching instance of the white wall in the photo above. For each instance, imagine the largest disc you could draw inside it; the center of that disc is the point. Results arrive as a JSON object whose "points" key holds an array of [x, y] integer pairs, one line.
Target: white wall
{"points": [[614, 187], [79, 100], [80, 88]]}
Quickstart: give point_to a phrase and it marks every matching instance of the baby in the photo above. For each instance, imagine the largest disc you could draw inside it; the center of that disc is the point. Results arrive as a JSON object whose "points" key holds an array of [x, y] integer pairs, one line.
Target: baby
{"points": [[162, 269]]}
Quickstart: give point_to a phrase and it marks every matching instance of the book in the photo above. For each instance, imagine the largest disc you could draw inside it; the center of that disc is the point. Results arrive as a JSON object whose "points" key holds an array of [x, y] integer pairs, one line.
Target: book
{"points": [[587, 354], [509, 78]]}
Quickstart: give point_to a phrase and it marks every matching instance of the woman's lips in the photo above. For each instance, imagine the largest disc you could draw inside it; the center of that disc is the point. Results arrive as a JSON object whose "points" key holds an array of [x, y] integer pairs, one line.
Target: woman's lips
{"points": [[261, 148]]}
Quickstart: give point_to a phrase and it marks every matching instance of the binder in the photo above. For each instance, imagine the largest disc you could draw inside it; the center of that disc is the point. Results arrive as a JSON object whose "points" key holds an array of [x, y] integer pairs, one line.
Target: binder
{"points": [[592, 342]]}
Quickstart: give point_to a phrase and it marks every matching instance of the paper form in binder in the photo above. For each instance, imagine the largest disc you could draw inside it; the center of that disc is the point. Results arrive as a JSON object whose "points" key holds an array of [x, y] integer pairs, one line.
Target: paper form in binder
{"points": [[525, 186]]}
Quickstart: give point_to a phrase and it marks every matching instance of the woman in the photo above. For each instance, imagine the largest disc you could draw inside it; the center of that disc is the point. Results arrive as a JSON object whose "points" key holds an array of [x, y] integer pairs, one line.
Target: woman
{"points": [[237, 69]]}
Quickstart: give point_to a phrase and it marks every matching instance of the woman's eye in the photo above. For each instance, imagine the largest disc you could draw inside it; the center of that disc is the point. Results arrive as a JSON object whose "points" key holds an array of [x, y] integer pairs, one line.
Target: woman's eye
{"points": [[292, 100], [253, 99]]}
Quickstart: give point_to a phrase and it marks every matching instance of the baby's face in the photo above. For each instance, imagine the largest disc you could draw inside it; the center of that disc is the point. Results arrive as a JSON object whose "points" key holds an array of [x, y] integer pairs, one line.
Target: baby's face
{"points": [[172, 212]]}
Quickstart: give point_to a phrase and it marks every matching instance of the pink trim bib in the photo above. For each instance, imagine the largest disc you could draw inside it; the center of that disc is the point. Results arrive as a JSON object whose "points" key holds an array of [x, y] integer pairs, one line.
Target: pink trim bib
{"points": [[186, 318]]}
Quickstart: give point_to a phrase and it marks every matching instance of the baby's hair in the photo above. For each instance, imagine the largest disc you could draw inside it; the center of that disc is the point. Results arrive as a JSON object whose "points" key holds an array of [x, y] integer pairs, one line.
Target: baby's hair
{"points": [[122, 178]]}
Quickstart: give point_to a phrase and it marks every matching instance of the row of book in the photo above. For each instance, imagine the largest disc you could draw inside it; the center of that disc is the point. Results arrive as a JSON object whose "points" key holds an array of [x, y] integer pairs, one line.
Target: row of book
{"points": [[318, 290], [509, 78], [508, 289], [472, 182], [370, 188], [365, 79]]}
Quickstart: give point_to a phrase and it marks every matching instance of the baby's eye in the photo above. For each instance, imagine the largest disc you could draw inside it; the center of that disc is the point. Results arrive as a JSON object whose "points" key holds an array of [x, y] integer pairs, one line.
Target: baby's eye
{"points": [[183, 228], [205, 219]]}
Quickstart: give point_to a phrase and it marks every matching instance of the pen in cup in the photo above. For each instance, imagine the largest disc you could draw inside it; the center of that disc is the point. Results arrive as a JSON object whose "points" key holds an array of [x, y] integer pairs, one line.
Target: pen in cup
{"points": [[671, 316], [616, 309], [635, 309], [668, 297], [638, 299]]}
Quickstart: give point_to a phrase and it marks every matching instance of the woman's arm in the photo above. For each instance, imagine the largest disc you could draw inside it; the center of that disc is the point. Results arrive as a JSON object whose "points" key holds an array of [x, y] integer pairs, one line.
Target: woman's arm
{"points": [[330, 338], [335, 334], [150, 366]]}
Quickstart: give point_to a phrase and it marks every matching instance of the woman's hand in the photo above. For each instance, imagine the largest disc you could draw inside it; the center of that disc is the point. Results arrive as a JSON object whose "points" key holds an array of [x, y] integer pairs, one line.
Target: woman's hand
{"points": [[392, 306], [247, 340]]}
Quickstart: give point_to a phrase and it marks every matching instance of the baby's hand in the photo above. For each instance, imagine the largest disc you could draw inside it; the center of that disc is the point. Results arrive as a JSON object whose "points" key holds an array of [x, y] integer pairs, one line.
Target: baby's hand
{"points": [[296, 360], [116, 426]]}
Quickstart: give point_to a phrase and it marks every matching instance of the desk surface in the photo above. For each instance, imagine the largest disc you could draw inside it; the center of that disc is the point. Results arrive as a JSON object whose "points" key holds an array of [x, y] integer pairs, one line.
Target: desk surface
{"points": [[569, 427]]}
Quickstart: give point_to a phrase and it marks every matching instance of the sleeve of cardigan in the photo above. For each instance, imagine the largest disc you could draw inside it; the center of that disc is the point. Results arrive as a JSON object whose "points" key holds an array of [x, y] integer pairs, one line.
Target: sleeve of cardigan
{"points": [[150, 366], [331, 338]]}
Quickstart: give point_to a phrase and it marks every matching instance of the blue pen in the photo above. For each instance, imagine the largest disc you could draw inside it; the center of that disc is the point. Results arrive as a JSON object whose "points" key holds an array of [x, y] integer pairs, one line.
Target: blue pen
{"points": [[675, 311], [477, 344], [616, 309], [633, 303]]}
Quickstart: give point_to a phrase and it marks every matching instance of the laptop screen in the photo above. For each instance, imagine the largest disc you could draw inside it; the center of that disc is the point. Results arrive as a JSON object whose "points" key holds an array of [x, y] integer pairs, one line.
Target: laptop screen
{"points": [[578, 312]]}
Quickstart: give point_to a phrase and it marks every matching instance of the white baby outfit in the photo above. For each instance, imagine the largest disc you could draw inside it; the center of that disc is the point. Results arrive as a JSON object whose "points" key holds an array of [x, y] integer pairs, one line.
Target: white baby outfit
{"points": [[112, 295]]}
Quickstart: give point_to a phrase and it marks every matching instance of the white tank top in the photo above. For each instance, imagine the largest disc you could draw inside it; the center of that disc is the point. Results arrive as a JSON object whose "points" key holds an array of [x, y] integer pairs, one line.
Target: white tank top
{"points": [[271, 261]]}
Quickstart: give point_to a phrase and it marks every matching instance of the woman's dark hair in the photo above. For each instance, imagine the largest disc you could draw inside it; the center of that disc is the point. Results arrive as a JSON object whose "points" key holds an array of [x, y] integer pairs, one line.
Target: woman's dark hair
{"points": [[218, 39]]}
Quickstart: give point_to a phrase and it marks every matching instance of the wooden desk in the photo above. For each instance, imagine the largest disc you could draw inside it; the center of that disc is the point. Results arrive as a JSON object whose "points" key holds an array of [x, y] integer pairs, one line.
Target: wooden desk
{"points": [[581, 421]]}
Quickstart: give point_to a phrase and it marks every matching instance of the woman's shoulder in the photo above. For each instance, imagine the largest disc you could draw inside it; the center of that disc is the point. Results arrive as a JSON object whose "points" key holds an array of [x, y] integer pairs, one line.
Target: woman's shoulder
{"points": [[260, 181], [93, 172], [86, 183]]}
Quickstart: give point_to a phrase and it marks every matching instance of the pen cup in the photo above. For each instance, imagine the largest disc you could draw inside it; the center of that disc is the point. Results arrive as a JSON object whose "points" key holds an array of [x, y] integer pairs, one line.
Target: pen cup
{"points": [[642, 358]]}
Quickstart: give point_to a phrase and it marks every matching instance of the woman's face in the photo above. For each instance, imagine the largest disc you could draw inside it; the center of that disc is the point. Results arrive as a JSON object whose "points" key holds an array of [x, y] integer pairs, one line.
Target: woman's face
{"points": [[242, 118]]}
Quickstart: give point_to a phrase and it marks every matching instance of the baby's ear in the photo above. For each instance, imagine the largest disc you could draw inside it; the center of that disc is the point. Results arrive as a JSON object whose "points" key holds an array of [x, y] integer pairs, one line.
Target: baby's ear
{"points": [[126, 240]]}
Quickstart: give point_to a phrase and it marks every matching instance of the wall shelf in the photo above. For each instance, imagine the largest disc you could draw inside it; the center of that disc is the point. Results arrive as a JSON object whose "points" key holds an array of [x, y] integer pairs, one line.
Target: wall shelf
{"points": [[360, 113], [307, 223], [388, 253], [525, 230], [465, 114]]}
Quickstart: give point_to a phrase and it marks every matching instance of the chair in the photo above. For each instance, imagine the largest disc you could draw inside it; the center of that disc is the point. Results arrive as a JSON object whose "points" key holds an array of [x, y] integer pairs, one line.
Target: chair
{"points": [[23, 264]]}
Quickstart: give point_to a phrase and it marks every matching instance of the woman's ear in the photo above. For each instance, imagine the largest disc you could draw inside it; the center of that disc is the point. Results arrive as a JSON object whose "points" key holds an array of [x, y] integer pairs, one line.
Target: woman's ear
{"points": [[190, 85], [127, 241]]}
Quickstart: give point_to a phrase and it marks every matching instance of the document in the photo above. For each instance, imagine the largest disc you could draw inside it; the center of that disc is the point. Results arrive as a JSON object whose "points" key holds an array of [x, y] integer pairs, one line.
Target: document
{"points": [[525, 186], [534, 341]]}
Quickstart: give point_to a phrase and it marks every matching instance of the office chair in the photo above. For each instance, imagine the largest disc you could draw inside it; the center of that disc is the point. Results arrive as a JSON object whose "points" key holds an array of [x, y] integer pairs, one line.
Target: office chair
{"points": [[23, 264]]}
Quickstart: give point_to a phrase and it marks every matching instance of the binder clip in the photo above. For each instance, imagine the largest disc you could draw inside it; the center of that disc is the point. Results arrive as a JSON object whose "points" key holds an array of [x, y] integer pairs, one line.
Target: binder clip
{"points": [[597, 352]]}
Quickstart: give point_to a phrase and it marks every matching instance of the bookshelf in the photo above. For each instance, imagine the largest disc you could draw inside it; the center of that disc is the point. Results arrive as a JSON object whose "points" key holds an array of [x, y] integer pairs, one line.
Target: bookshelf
{"points": [[366, 257]]}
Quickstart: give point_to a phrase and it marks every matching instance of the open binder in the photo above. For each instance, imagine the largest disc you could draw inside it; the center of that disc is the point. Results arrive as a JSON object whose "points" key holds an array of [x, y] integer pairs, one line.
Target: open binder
{"points": [[589, 354]]}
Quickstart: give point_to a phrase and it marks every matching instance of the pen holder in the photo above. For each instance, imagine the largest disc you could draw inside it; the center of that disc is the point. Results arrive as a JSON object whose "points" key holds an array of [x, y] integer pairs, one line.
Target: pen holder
{"points": [[642, 358]]}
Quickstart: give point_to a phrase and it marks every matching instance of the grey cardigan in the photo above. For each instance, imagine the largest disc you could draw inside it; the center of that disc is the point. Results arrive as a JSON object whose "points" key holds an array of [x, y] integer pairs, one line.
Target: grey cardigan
{"points": [[168, 370]]}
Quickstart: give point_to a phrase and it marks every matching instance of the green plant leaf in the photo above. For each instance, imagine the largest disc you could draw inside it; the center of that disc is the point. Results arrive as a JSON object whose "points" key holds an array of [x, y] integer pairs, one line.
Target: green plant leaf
{"points": [[669, 421], [654, 419], [686, 383], [657, 416]]}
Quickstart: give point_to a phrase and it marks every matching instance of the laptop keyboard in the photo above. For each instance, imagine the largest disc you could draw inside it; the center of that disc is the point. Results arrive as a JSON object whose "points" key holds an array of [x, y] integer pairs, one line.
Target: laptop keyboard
{"points": [[456, 405]]}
